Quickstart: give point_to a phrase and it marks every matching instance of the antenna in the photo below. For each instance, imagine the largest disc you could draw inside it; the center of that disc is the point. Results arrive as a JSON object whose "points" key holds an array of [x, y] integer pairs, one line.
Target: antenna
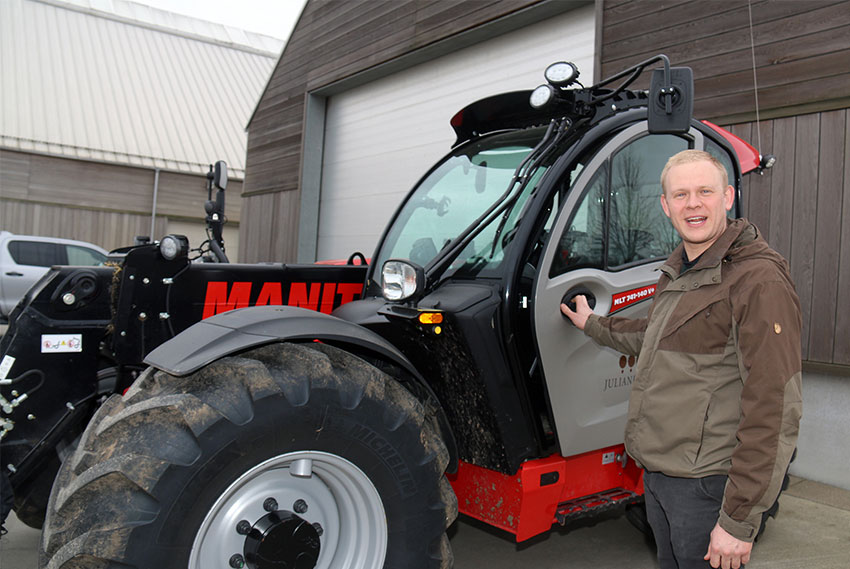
{"points": [[755, 80]]}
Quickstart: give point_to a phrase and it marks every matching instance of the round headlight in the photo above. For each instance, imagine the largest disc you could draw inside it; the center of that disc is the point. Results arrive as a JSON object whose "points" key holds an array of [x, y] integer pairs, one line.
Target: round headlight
{"points": [[398, 280], [173, 246], [562, 73], [541, 96]]}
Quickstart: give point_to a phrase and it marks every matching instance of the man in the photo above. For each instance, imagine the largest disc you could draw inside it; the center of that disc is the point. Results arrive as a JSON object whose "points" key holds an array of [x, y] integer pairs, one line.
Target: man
{"points": [[715, 406]]}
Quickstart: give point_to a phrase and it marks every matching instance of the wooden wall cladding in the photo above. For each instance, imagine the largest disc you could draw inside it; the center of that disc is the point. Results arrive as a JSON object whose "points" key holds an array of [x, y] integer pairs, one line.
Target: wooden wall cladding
{"points": [[802, 206], [802, 61], [273, 220], [802, 51]]}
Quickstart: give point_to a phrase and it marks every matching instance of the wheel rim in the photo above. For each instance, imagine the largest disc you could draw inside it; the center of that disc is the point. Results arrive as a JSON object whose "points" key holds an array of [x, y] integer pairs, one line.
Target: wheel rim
{"points": [[308, 486]]}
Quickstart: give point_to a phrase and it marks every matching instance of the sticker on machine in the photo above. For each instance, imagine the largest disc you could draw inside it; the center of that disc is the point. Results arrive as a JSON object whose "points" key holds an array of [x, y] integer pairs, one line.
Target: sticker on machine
{"points": [[60, 343], [623, 299], [5, 366]]}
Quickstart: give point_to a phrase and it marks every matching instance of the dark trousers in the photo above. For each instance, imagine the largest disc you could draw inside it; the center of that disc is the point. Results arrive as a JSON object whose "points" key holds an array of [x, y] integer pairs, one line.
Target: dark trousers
{"points": [[682, 512]]}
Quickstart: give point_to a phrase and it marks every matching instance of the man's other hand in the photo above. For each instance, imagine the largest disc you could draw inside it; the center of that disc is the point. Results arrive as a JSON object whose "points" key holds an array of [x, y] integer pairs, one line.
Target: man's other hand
{"points": [[726, 551], [582, 311]]}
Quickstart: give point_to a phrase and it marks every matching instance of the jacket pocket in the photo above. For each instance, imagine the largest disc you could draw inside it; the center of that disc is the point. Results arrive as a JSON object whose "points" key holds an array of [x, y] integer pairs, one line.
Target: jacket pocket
{"points": [[700, 432], [669, 428], [698, 328]]}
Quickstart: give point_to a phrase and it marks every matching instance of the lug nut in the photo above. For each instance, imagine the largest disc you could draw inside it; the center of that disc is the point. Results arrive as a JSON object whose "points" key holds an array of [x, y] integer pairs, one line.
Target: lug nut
{"points": [[237, 561], [243, 527], [319, 529], [300, 506], [270, 505]]}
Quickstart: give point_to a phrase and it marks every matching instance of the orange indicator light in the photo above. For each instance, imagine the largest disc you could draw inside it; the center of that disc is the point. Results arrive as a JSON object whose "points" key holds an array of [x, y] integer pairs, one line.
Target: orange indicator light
{"points": [[430, 318]]}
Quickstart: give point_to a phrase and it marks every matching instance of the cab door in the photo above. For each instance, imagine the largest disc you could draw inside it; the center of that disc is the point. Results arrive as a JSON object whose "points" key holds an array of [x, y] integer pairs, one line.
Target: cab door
{"points": [[607, 242]]}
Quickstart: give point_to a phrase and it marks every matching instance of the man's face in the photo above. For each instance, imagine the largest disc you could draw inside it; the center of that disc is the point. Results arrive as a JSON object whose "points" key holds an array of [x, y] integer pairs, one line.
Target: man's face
{"points": [[696, 202]]}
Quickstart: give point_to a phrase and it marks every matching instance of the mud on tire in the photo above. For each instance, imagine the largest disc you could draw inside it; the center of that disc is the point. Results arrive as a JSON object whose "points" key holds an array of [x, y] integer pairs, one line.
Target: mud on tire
{"points": [[170, 474]]}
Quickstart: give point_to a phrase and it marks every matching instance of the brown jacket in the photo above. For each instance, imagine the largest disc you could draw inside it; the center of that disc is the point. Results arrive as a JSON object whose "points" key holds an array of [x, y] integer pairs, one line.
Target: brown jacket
{"points": [[718, 380]]}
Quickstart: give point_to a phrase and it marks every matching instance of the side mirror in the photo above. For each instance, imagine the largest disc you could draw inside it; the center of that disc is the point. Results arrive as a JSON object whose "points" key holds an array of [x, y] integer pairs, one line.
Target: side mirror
{"points": [[220, 175], [671, 102]]}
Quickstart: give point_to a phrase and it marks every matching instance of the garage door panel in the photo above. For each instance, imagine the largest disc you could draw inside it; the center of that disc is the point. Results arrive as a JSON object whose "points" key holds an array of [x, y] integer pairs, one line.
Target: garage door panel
{"points": [[381, 137]]}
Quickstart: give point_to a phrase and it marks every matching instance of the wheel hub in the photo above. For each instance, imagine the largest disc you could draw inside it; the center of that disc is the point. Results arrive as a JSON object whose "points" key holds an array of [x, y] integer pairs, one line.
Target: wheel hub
{"points": [[282, 540], [274, 499]]}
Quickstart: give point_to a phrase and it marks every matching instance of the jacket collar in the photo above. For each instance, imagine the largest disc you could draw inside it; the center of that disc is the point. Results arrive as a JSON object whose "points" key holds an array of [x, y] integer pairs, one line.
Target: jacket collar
{"points": [[712, 257]]}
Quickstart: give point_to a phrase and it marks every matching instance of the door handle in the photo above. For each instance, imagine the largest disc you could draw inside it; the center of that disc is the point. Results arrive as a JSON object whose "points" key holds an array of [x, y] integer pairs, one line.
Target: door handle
{"points": [[14, 274], [573, 292]]}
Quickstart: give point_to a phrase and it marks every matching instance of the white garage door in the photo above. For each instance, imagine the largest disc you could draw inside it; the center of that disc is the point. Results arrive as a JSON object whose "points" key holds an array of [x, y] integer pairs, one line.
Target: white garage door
{"points": [[381, 137]]}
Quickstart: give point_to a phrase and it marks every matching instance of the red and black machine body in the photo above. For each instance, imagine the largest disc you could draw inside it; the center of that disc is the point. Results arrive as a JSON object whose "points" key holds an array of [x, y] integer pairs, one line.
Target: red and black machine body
{"points": [[81, 333]]}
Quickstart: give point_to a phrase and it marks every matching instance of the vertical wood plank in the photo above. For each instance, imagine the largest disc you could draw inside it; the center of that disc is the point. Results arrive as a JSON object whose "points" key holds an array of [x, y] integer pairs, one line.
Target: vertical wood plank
{"points": [[251, 248], [782, 185], [828, 229], [805, 216], [744, 131], [841, 343], [245, 236], [759, 201], [264, 217], [287, 209]]}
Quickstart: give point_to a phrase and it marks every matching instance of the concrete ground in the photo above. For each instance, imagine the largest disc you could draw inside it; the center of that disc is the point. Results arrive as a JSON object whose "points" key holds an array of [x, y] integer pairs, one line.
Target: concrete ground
{"points": [[811, 531]]}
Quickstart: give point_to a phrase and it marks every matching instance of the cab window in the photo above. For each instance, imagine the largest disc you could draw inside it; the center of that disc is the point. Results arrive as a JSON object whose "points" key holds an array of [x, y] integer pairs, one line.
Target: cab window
{"points": [[582, 244], [454, 195], [637, 228], [715, 150], [619, 220], [37, 253], [84, 256]]}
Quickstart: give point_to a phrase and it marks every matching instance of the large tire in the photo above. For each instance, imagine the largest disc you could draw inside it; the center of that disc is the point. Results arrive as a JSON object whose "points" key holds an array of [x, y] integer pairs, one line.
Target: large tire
{"points": [[164, 475]]}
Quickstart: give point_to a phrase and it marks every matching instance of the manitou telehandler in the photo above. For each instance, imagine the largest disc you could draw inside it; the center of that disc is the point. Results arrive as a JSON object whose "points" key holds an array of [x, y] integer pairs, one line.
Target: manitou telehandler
{"points": [[445, 379]]}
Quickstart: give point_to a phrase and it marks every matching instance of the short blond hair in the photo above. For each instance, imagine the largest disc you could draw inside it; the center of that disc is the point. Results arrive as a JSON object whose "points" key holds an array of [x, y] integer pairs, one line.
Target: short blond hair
{"points": [[689, 157]]}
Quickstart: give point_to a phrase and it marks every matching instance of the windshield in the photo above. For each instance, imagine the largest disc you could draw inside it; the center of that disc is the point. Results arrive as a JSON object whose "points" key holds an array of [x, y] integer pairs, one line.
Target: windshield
{"points": [[456, 193]]}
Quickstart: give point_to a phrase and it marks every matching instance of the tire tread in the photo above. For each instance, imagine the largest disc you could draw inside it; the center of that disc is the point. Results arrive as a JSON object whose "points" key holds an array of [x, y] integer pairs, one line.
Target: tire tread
{"points": [[106, 488]]}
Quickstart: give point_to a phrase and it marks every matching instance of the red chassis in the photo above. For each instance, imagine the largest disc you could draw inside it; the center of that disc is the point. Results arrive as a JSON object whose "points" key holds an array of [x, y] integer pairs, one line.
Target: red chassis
{"points": [[548, 490]]}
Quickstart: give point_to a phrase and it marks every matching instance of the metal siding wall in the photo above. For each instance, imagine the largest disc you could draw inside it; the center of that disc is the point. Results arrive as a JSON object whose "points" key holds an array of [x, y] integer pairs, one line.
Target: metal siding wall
{"points": [[184, 195], [381, 137], [105, 204], [107, 229], [87, 84]]}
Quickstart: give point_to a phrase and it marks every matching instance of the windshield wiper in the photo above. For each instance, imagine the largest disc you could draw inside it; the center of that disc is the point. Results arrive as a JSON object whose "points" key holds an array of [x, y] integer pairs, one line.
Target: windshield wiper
{"points": [[562, 128]]}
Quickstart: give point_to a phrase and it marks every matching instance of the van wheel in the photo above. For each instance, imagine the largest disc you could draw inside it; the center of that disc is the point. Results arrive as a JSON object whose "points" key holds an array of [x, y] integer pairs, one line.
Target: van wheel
{"points": [[290, 453]]}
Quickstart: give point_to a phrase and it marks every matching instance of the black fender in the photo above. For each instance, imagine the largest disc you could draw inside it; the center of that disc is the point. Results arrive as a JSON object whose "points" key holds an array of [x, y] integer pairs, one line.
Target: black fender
{"points": [[237, 330]]}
